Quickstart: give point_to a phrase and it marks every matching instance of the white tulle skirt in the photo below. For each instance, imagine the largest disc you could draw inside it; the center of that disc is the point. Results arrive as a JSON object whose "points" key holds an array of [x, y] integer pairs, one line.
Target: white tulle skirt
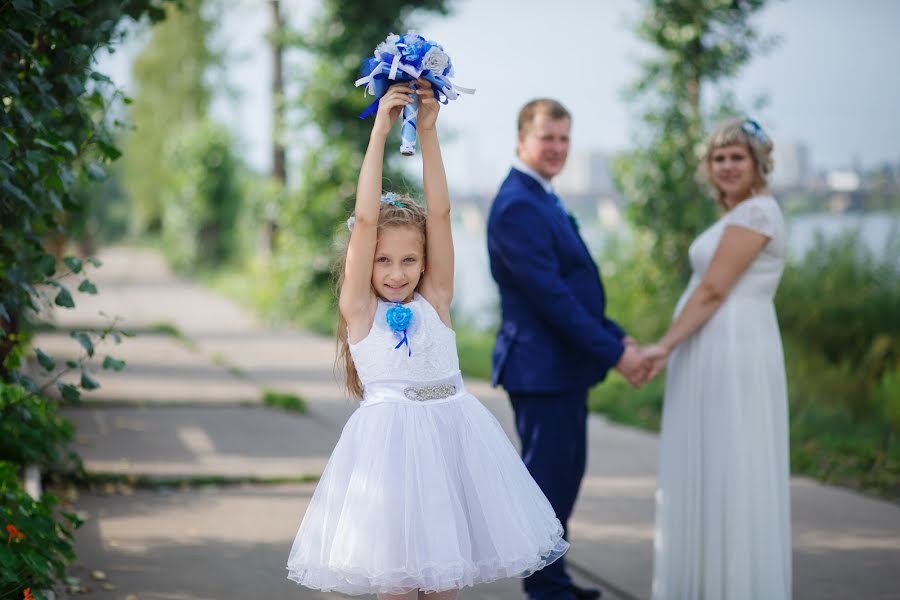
{"points": [[426, 495]]}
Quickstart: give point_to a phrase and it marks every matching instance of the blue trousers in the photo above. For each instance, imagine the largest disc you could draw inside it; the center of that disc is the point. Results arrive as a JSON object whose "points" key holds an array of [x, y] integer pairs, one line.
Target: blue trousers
{"points": [[553, 432]]}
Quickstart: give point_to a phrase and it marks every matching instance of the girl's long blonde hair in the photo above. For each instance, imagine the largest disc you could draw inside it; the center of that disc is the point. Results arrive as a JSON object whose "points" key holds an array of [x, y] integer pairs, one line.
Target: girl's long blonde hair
{"points": [[410, 214]]}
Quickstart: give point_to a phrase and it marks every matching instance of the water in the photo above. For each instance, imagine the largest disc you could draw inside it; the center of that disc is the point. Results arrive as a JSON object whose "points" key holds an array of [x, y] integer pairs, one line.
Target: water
{"points": [[476, 301]]}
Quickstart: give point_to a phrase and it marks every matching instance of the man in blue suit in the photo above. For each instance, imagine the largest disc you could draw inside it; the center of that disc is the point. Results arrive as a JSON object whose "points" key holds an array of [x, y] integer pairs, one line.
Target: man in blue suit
{"points": [[555, 340]]}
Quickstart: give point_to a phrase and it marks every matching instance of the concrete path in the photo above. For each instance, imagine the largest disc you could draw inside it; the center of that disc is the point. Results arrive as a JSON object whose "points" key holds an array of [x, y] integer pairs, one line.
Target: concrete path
{"points": [[190, 407]]}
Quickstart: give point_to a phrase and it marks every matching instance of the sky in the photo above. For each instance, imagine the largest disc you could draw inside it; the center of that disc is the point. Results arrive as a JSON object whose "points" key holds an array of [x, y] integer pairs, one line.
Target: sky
{"points": [[832, 82]]}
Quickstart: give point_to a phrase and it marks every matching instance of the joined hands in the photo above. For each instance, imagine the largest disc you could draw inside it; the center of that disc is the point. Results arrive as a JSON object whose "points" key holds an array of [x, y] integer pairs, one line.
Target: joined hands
{"points": [[640, 364]]}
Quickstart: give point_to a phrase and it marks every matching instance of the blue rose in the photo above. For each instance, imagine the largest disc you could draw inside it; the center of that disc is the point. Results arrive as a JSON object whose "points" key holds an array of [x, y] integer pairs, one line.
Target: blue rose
{"points": [[398, 317]]}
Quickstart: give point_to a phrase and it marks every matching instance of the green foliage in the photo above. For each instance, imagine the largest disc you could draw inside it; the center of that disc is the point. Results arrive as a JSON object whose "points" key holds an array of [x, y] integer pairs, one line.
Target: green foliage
{"points": [[32, 431], [172, 93], [843, 302], [474, 348], [344, 33], [202, 200], [36, 556], [641, 407], [285, 401], [698, 44], [52, 131], [640, 295]]}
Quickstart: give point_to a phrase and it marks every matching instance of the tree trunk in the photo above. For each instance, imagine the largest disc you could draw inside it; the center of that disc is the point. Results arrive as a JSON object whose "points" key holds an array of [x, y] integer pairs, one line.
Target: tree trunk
{"points": [[279, 168]]}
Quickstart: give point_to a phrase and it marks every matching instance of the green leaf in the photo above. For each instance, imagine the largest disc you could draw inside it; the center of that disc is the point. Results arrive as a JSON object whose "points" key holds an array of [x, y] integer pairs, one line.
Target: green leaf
{"points": [[70, 147], [108, 150], [18, 194], [88, 382], [85, 341], [74, 263], [64, 298], [111, 363], [45, 361], [95, 172], [46, 144], [72, 364], [47, 265], [69, 392], [87, 287], [95, 261]]}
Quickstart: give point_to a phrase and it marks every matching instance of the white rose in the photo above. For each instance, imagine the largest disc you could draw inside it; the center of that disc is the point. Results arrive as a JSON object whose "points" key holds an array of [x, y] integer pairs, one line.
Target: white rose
{"points": [[388, 46], [435, 60]]}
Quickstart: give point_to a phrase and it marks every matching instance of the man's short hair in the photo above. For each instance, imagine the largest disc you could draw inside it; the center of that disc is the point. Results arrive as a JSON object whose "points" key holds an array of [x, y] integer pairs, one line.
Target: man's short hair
{"points": [[551, 107]]}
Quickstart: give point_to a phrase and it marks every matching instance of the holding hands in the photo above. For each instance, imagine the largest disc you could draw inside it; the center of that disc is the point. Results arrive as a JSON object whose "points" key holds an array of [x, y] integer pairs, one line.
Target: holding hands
{"points": [[639, 365]]}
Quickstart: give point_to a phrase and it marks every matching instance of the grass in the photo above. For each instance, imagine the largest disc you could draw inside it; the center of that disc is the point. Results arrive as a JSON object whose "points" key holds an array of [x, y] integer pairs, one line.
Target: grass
{"points": [[285, 401], [102, 480]]}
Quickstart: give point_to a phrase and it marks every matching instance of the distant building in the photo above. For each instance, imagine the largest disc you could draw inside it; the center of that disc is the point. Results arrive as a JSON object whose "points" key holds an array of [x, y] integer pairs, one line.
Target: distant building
{"points": [[792, 170], [586, 172]]}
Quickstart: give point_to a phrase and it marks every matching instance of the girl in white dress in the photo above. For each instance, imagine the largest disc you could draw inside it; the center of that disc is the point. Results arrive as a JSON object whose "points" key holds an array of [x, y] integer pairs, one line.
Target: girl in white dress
{"points": [[722, 501], [423, 493]]}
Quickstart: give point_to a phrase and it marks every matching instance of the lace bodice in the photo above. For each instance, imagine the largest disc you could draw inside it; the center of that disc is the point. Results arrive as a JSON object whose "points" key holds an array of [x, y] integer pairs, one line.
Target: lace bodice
{"points": [[432, 344], [763, 215]]}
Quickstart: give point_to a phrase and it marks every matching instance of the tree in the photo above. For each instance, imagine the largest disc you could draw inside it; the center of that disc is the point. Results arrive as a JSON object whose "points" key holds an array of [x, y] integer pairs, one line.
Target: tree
{"points": [[699, 43], [172, 93], [345, 32]]}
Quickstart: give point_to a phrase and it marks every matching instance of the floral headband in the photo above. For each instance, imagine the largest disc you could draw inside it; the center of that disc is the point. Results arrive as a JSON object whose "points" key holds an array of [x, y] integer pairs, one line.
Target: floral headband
{"points": [[386, 198], [752, 128]]}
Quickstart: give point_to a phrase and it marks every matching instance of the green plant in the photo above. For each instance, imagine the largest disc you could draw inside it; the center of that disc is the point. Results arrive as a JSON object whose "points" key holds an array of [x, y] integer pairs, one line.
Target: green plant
{"points": [[202, 200], [285, 401], [37, 540], [843, 301], [32, 431]]}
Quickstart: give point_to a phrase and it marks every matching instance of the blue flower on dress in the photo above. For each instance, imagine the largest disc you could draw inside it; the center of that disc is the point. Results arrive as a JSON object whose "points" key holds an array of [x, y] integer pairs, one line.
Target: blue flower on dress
{"points": [[398, 317]]}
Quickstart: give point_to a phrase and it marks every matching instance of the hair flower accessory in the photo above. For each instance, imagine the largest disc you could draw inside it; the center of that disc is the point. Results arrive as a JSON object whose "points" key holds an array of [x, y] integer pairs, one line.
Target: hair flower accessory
{"points": [[391, 198], [386, 198], [752, 128], [405, 58], [398, 319]]}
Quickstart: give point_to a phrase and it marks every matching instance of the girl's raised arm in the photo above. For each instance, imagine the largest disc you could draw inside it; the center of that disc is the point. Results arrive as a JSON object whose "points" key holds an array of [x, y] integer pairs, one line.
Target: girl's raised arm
{"points": [[437, 282], [356, 301]]}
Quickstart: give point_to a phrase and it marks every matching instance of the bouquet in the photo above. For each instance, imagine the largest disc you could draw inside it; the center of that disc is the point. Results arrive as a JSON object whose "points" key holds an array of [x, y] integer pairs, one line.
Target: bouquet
{"points": [[402, 58]]}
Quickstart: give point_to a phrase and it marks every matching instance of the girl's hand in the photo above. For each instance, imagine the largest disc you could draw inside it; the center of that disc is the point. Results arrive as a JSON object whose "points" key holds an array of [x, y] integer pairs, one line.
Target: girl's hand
{"points": [[390, 106], [428, 105]]}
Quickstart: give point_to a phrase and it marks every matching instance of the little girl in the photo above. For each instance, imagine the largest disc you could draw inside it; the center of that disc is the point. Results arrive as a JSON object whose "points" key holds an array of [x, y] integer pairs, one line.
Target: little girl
{"points": [[424, 492]]}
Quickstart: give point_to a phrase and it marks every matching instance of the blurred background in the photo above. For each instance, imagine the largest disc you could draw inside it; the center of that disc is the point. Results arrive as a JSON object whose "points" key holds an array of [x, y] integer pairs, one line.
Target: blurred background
{"points": [[223, 136]]}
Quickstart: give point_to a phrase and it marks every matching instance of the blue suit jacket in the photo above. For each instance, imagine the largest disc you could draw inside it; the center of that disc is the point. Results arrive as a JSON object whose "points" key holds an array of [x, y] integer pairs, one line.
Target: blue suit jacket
{"points": [[554, 336]]}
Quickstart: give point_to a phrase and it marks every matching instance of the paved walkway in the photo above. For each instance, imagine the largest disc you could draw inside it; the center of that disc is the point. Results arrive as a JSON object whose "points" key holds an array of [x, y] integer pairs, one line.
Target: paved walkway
{"points": [[191, 407]]}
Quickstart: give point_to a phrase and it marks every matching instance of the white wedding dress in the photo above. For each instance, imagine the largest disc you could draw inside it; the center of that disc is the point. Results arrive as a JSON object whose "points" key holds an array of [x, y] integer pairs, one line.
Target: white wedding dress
{"points": [[423, 490], [722, 501]]}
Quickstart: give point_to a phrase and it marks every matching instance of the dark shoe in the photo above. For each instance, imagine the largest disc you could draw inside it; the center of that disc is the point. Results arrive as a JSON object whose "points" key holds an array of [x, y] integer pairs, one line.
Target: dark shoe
{"points": [[581, 593]]}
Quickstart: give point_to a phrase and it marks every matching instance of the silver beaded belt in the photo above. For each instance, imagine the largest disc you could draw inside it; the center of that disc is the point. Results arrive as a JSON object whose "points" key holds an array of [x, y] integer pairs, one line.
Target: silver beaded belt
{"points": [[430, 392], [437, 390]]}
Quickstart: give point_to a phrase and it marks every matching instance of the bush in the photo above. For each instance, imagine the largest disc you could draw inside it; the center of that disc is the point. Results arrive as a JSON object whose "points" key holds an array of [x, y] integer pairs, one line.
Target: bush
{"points": [[842, 301], [32, 431], [201, 209], [38, 542]]}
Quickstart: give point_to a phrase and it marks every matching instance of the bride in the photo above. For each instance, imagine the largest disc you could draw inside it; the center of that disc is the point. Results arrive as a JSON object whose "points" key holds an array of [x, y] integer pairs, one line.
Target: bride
{"points": [[722, 500]]}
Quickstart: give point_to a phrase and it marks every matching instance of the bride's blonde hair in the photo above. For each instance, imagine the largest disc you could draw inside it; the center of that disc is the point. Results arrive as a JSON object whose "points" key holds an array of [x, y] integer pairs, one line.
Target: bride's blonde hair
{"points": [[737, 132], [401, 212]]}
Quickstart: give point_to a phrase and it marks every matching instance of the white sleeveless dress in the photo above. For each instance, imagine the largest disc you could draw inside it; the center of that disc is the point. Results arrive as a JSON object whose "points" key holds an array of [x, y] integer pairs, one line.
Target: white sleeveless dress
{"points": [[723, 526], [423, 490]]}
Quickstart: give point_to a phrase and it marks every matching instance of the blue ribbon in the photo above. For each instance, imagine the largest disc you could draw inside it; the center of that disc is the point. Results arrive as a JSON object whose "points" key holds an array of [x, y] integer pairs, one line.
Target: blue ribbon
{"points": [[405, 340], [381, 83]]}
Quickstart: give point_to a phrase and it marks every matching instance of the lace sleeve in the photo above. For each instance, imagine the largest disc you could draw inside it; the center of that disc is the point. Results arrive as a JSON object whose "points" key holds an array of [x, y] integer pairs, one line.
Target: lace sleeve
{"points": [[755, 214]]}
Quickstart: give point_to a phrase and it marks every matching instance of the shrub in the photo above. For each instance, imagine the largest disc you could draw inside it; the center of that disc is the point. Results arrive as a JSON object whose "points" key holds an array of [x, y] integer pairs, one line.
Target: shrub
{"points": [[37, 543]]}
